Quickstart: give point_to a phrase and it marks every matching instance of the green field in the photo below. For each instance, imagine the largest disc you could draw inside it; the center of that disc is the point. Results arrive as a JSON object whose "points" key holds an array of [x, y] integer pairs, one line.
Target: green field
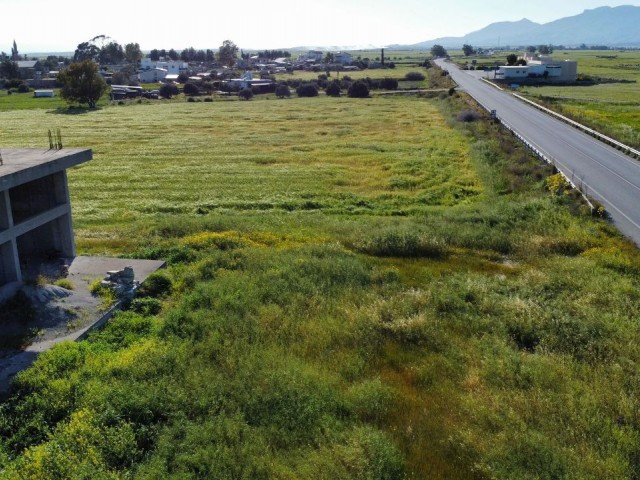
{"points": [[357, 288]]}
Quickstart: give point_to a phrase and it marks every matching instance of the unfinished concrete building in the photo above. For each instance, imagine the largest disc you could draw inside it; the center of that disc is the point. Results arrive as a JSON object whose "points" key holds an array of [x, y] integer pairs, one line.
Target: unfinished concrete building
{"points": [[35, 211]]}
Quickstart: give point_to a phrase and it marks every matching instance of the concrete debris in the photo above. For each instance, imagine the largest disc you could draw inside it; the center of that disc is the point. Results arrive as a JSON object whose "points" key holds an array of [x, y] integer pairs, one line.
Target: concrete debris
{"points": [[121, 281]]}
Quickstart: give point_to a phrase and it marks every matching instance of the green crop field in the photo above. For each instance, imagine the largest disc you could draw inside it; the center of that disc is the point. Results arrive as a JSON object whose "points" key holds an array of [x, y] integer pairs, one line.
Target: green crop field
{"points": [[357, 288]]}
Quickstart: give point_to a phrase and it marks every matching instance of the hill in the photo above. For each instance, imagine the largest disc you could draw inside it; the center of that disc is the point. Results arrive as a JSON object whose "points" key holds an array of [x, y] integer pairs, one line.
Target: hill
{"points": [[612, 26]]}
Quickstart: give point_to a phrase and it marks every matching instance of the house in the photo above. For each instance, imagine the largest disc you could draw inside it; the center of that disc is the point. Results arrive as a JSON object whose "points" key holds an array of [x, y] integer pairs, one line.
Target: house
{"points": [[311, 56], [29, 68], [35, 211], [343, 58]]}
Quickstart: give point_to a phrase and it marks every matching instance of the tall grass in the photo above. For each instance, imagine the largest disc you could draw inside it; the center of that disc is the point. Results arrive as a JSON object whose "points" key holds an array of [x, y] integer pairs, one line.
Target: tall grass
{"points": [[356, 289]]}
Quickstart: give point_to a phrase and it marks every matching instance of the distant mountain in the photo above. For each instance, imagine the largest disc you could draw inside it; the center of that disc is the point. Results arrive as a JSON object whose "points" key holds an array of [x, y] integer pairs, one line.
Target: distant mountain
{"points": [[612, 26]]}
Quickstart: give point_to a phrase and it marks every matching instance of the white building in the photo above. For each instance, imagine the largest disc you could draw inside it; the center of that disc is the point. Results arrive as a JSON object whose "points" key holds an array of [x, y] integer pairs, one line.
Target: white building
{"points": [[153, 75], [172, 66], [541, 67]]}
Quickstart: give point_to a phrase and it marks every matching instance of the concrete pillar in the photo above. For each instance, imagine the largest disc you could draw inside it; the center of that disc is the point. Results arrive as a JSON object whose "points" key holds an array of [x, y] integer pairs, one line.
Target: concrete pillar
{"points": [[6, 220], [9, 263]]}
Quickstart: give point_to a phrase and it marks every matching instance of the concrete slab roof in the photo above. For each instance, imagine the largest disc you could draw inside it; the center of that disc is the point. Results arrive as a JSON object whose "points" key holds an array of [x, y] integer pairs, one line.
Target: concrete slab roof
{"points": [[22, 165]]}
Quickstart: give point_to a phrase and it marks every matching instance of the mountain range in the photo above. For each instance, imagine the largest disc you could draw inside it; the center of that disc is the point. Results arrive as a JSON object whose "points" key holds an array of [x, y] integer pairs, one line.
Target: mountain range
{"points": [[611, 26]]}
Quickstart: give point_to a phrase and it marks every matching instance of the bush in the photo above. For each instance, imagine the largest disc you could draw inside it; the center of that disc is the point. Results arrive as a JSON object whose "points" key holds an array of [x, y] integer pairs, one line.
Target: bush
{"points": [[168, 90], [23, 88], [191, 89], [389, 84], [246, 94], [283, 91], [146, 306], [333, 90], [414, 76], [359, 89], [157, 285], [307, 90], [468, 116]]}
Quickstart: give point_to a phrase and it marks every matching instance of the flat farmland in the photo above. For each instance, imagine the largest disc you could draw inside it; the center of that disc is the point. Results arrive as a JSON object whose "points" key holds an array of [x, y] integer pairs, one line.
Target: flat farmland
{"points": [[356, 288]]}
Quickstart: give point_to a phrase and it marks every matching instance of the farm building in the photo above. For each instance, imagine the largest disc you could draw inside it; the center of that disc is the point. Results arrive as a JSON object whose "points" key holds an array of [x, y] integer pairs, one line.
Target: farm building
{"points": [[541, 67], [152, 75], [35, 211]]}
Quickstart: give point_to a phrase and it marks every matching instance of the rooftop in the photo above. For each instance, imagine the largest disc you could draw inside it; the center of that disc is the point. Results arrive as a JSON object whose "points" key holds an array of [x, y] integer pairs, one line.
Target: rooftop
{"points": [[23, 165]]}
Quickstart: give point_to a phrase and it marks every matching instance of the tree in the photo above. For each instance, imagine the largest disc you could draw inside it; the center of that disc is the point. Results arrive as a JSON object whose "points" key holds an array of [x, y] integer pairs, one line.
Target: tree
{"points": [[512, 58], [172, 54], [545, 49], [82, 83], [111, 54], [9, 70], [359, 89], [154, 55], [132, 53], [522, 62], [283, 91], [246, 94], [227, 53], [438, 51], [15, 55], [467, 50], [86, 51], [531, 49], [329, 57]]}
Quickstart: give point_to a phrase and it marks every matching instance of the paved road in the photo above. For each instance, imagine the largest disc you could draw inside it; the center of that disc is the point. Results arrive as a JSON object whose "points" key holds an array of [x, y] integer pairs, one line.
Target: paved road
{"points": [[605, 174]]}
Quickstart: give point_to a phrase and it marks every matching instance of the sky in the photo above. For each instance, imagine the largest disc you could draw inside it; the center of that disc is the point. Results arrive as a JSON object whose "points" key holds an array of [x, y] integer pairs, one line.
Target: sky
{"points": [[46, 26]]}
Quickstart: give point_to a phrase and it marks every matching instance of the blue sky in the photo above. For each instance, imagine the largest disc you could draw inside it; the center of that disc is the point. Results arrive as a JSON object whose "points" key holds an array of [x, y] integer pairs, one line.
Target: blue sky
{"points": [[45, 26]]}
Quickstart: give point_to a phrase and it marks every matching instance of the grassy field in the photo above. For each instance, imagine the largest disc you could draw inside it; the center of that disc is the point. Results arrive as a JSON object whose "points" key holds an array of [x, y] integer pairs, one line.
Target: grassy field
{"points": [[610, 103], [356, 289]]}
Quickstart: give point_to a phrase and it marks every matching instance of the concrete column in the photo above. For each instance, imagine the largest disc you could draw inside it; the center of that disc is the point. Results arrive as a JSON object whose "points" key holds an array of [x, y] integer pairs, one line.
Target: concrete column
{"points": [[64, 232], [65, 223], [6, 219], [9, 263]]}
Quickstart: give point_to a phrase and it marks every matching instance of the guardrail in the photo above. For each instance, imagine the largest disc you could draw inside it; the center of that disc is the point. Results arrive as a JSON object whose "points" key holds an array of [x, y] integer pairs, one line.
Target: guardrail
{"points": [[589, 131], [551, 161], [540, 154]]}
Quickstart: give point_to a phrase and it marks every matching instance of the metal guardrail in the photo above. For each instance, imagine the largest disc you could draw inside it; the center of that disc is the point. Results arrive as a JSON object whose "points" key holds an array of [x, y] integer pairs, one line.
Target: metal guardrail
{"points": [[547, 158], [608, 140]]}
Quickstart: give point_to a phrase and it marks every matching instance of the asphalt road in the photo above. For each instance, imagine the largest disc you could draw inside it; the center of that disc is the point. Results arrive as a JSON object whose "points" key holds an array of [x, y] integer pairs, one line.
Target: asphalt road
{"points": [[604, 173]]}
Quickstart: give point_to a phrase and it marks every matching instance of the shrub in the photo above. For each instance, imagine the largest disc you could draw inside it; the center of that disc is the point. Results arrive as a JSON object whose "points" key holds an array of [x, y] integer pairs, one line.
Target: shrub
{"points": [[23, 88], [359, 89], [468, 116], [414, 76], [191, 89], [146, 306], [168, 90], [333, 90], [389, 83], [157, 285], [307, 90], [246, 94], [283, 91]]}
